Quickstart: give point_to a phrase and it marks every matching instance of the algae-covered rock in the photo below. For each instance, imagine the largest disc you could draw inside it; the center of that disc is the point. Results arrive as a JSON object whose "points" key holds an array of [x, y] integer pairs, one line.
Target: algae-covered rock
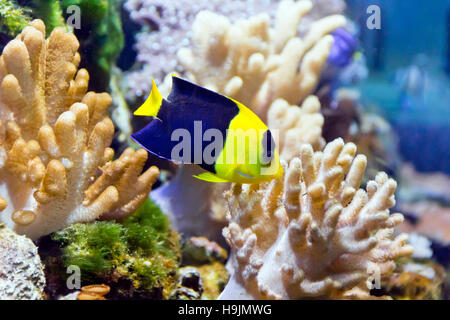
{"points": [[214, 278], [200, 250], [415, 279], [206, 259], [21, 272], [137, 257]]}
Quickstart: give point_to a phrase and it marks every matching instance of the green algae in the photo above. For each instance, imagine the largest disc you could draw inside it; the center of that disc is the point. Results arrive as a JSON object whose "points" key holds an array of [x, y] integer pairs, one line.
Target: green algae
{"points": [[51, 13], [101, 32], [141, 250], [12, 18]]}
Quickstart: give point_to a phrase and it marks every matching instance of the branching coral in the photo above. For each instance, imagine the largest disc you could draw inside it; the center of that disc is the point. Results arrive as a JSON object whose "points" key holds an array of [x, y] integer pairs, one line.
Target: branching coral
{"points": [[167, 27], [257, 63], [296, 126], [313, 233], [54, 138], [101, 36]]}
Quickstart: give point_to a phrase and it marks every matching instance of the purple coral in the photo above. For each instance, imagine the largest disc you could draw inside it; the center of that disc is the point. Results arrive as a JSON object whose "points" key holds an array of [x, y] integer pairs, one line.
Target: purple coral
{"points": [[343, 48]]}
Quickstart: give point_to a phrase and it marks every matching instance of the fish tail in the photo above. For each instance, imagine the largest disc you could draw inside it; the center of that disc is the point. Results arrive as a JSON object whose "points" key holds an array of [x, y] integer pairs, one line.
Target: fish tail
{"points": [[152, 105]]}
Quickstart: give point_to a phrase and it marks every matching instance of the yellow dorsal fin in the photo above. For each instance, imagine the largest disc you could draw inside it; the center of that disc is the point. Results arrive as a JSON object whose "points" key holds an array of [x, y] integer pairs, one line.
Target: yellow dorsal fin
{"points": [[152, 104], [210, 177]]}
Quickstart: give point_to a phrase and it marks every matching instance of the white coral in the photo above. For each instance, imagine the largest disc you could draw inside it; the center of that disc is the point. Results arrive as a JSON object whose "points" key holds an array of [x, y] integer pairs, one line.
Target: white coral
{"points": [[313, 233], [296, 126]]}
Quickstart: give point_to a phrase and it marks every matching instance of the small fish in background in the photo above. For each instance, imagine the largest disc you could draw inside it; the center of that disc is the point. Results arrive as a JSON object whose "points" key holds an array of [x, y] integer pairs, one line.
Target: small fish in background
{"points": [[412, 82], [201, 112]]}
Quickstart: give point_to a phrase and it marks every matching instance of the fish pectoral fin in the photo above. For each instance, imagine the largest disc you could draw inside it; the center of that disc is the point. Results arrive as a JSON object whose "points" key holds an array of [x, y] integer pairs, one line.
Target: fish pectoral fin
{"points": [[210, 177]]}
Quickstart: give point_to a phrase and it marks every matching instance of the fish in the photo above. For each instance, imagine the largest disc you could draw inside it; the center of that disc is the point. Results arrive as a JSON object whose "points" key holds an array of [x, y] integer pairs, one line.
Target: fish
{"points": [[195, 125]]}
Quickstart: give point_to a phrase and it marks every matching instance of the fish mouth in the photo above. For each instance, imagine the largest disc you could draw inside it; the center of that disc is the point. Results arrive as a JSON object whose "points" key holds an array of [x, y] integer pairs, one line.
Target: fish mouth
{"points": [[246, 175]]}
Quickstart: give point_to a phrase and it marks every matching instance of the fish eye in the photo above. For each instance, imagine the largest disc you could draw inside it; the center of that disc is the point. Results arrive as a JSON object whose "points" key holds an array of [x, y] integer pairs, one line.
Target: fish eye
{"points": [[268, 145]]}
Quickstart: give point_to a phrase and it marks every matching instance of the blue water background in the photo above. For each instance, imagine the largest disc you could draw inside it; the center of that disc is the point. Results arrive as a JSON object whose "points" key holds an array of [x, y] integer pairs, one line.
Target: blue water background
{"points": [[409, 75]]}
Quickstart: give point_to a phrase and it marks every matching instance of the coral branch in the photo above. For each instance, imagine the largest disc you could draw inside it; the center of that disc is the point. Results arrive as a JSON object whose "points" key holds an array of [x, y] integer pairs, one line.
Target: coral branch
{"points": [[259, 64], [55, 136], [313, 233], [296, 125]]}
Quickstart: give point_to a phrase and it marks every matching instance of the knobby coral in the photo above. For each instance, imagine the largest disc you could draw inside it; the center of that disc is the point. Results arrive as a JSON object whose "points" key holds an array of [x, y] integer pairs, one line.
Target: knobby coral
{"points": [[259, 63], [296, 126], [313, 232], [54, 137]]}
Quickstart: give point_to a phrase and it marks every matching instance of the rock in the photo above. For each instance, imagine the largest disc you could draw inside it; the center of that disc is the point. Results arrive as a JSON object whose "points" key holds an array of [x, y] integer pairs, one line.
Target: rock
{"points": [[214, 277], [189, 277], [429, 219], [21, 271], [189, 285], [183, 293], [200, 250]]}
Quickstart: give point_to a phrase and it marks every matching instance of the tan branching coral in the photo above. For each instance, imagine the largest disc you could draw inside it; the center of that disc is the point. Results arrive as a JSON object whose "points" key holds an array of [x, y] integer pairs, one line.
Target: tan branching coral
{"points": [[313, 233], [296, 126], [55, 160], [255, 63]]}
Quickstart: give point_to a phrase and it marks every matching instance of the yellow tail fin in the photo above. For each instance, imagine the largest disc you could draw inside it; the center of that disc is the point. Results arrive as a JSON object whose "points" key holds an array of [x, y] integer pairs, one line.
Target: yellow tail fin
{"points": [[152, 104]]}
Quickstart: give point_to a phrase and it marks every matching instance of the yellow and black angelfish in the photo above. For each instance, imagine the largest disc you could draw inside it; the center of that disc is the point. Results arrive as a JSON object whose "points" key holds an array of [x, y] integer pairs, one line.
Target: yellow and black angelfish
{"points": [[221, 135]]}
